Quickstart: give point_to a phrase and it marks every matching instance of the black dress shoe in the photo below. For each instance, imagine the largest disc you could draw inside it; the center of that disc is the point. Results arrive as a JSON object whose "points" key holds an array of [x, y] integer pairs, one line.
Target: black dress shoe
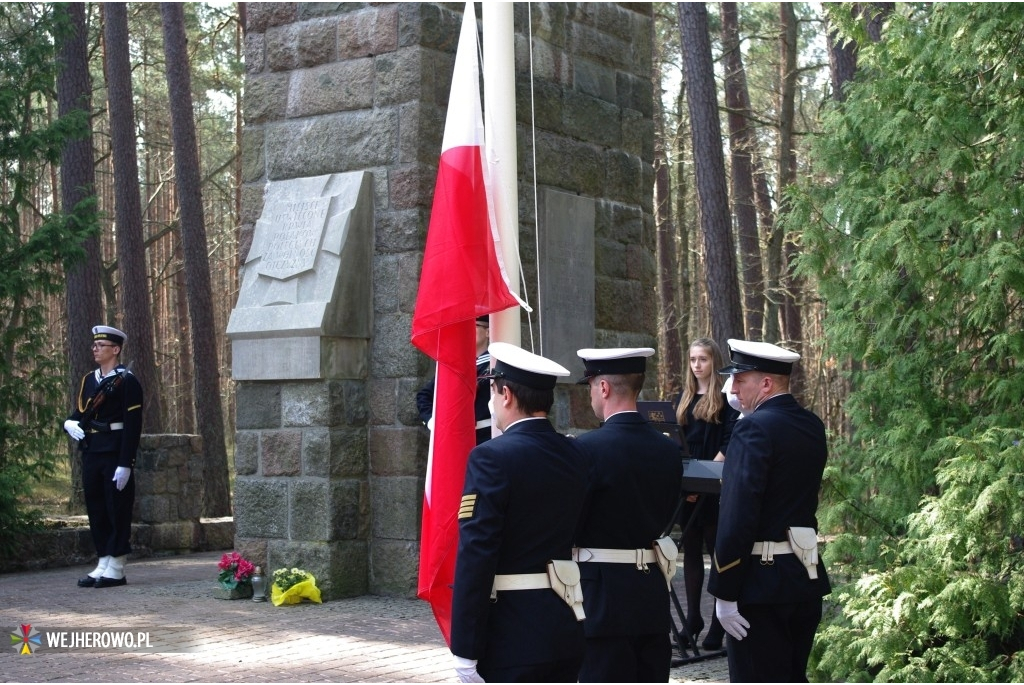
{"points": [[110, 582], [713, 640], [711, 645], [88, 581]]}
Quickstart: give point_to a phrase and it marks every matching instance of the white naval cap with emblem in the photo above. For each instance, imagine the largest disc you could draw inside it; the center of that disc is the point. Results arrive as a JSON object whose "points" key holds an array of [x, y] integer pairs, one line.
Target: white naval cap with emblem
{"points": [[612, 361], [747, 355], [115, 336], [515, 364]]}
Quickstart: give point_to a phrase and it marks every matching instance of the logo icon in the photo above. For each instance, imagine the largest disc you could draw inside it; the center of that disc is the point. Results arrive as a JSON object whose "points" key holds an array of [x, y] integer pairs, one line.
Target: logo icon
{"points": [[26, 639]]}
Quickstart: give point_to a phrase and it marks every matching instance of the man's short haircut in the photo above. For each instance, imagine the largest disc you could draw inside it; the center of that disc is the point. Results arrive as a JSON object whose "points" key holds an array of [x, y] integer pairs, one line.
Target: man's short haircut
{"points": [[529, 400], [626, 384]]}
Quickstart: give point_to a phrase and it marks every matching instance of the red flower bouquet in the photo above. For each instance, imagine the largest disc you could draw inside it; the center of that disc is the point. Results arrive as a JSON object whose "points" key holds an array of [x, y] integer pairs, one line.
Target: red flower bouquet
{"points": [[235, 571]]}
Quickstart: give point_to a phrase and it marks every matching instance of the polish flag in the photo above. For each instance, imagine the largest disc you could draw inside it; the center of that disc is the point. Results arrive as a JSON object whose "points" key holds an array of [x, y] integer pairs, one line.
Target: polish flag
{"points": [[461, 279]]}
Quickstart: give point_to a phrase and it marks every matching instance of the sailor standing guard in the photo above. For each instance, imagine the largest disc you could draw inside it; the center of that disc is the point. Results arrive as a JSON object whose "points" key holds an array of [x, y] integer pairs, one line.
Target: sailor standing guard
{"points": [[635, 488], [517, 604], [107, 423], [767, 574], [482, 414]]}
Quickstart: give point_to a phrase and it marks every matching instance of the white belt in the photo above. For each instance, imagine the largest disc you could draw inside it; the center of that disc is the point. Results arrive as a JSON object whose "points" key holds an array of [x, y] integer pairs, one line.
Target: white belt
{"points": [[640, 557], [483, 423], [563, 576], [522, 581], [768, 549]]}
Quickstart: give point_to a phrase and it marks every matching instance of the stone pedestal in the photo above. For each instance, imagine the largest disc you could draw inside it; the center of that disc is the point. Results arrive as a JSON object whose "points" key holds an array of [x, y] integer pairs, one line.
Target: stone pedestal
{"points": [[169, 493]]}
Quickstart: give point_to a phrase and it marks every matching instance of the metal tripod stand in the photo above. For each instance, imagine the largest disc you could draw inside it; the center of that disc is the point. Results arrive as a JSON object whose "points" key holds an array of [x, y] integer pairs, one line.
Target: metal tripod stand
{"points": [[685, 643]]}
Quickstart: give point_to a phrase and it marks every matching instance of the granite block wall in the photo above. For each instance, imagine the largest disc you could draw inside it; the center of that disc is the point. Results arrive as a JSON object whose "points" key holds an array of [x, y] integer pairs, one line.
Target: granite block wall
{"points": [[335, 87]]}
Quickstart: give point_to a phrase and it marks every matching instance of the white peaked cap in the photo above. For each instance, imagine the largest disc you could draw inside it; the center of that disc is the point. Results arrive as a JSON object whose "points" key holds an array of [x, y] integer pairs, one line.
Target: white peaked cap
{"points": [[613, 360], [515, 364], [747, 355]]}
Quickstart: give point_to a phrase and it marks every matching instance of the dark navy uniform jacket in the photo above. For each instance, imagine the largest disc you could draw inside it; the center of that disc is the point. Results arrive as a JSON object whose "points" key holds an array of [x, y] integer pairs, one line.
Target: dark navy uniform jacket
{"points": [[770, 482], [123, 406], [635, 487], [523, 496], [425, 398]]}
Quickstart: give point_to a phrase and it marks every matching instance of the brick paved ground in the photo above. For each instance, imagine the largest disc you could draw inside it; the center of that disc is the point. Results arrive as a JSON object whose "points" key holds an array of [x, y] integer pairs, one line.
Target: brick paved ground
{"points": [[367, 639]]}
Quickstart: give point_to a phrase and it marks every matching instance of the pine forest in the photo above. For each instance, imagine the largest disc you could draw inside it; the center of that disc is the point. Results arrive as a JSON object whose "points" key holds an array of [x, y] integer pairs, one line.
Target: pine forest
{"points": [[843, 179]]}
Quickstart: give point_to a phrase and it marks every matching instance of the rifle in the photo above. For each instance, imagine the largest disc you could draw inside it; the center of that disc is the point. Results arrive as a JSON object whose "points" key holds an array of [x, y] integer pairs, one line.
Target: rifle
{"points": [[107, 388]]}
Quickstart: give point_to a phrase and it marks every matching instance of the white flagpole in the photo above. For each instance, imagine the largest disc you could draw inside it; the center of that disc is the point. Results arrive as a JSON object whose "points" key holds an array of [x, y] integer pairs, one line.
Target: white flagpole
{"points": [[500, 152]]}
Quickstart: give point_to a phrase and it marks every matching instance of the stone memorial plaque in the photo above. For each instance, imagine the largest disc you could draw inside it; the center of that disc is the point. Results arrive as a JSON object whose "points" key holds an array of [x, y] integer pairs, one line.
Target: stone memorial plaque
{"points": [[566, 299], [305, 297]]}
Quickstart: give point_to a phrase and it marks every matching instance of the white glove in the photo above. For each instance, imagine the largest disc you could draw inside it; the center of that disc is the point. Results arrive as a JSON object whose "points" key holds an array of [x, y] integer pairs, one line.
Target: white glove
{"points": [[734, 401], [121, 476], [728, 614], [74, 430], [466, 670]]}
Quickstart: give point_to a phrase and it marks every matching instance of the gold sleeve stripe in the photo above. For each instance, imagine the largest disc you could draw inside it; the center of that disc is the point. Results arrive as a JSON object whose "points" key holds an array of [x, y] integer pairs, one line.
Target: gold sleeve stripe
{"points": [[728, 566], [137, 406], [467, 507]]}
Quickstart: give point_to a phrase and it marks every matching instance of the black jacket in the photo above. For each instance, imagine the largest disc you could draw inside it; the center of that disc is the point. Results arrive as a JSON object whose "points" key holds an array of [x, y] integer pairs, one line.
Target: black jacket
{"points": [[123, 406], [705, 440], [425, 399], [635, 480], [522, 498], [770, 482]]}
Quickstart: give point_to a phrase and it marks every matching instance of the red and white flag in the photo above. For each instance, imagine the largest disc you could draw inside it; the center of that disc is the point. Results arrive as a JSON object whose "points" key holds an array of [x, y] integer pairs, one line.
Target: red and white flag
{"points": [[461, 279]]}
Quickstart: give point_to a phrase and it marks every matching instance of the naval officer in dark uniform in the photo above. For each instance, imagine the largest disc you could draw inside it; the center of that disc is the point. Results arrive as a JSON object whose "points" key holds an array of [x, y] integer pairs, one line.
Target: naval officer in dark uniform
{"points": [[425, 395], [635, 486], [107, 423], [767, 575], [522, 499]]}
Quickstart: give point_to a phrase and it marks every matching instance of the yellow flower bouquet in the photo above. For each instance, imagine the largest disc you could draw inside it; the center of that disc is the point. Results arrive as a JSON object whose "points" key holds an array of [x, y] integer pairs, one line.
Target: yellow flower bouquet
{"points": [[293, 585]]}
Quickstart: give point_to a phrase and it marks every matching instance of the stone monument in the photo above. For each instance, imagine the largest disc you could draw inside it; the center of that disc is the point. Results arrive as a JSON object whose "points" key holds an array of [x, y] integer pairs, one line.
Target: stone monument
{"points": [[300, 338], [336, 451]]}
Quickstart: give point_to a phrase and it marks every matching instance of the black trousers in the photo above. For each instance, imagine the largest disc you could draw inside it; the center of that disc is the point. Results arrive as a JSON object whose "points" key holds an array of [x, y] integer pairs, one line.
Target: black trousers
{"points": [[109, 509], [777, 645], [627, 659], [563, 671]]}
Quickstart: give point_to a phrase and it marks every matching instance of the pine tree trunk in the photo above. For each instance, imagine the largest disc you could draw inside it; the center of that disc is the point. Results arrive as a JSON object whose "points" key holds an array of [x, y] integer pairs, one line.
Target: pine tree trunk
{"points": [[131, 251], [724, 305], [684, 255], [83, 295], [209, 415], [792, 291], [669, 346], [742, 142]]}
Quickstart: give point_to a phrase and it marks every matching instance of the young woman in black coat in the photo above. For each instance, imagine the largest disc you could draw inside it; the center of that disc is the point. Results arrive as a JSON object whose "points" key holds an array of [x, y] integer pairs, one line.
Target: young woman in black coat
{"points": [[706, 418]]}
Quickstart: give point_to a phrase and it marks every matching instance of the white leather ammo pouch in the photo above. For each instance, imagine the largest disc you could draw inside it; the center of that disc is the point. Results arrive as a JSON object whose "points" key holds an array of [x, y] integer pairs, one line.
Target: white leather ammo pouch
{"points": [[565, 581], [805, 546], [666, 552]]}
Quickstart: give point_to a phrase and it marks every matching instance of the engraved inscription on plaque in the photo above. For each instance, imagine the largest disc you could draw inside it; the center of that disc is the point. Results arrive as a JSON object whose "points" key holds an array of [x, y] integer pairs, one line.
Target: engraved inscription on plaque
{"points": [[298, 227]]}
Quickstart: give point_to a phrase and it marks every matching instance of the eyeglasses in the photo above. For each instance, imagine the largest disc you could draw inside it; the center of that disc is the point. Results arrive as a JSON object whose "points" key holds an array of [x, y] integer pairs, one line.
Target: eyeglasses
{"points": [[98, 345]]}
